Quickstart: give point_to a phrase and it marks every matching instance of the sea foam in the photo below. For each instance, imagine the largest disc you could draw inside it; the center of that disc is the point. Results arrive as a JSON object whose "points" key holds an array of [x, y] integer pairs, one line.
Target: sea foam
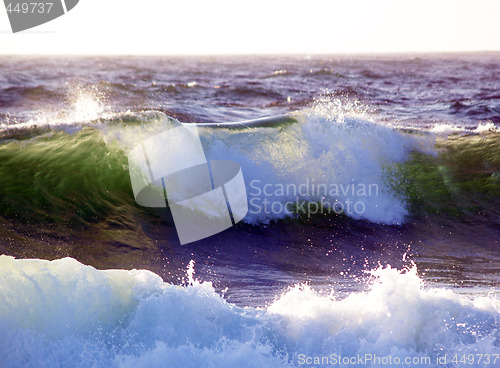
{"points": [[335, 156], [62, 313]]}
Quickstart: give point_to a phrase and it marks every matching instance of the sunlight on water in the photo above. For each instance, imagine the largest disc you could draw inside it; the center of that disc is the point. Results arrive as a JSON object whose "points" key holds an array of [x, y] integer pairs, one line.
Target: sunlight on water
{"points": [[82, 105], [86, 107]]}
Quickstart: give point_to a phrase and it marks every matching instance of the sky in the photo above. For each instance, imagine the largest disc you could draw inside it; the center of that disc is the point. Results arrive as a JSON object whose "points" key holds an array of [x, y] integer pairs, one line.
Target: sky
{"points": [[261, 27]]}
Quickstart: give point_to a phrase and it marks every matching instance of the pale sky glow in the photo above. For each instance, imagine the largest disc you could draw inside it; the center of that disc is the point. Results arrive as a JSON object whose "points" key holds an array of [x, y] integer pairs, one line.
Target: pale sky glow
{"points": [[261, 27]]}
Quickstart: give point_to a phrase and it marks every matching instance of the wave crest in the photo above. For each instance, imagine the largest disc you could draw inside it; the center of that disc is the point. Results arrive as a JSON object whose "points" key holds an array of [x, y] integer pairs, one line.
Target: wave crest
{"points": [[131, 318]]}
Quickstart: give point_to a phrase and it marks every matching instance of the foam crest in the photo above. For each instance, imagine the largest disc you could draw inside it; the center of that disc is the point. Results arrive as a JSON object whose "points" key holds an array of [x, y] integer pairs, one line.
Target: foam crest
{"points": [[63, 313], [446, 129], [336, 154], [486, 128]]}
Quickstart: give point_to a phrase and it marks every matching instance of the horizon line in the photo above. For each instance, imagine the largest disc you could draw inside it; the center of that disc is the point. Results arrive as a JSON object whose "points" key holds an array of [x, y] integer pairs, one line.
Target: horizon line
{"points": [[256, 54]]}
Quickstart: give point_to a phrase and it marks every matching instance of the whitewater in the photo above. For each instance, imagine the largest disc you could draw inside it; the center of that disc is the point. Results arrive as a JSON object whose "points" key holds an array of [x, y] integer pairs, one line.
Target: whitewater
{"points": [[63, 313]]}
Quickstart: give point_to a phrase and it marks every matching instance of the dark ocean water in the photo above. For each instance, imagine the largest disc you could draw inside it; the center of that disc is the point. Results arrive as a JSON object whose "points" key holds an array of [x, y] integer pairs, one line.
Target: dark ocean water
{"points": [[410, 90], [421, 129]]}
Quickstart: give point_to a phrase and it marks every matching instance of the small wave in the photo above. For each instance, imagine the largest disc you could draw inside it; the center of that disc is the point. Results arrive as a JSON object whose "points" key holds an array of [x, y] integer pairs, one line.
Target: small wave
{"points": [[325, 72], [370, 74], [278, 73], [487, 96], [460, 104], [191, 84], [16, 95], [245, 92], [479, 110]]}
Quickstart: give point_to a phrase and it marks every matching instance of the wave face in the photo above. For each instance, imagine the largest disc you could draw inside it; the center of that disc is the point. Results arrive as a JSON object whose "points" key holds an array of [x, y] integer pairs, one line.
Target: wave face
{"points": [[328, 160], [62, 313]]}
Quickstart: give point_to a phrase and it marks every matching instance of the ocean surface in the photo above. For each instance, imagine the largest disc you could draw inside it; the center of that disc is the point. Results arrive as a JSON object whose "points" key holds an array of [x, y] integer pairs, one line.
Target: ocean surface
{"points": [[373, 229]]}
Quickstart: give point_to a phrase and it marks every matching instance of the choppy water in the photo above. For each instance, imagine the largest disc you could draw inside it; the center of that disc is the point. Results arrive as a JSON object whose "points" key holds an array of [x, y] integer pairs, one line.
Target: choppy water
{"points": [[422, 131]]}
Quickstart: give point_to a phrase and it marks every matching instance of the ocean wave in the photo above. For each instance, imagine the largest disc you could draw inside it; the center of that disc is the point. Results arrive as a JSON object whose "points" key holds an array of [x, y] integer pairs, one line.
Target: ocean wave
{"points": [[324, 72], [63, 313], [325, 157], [238, 92], [338, 151], [278, 73]]}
